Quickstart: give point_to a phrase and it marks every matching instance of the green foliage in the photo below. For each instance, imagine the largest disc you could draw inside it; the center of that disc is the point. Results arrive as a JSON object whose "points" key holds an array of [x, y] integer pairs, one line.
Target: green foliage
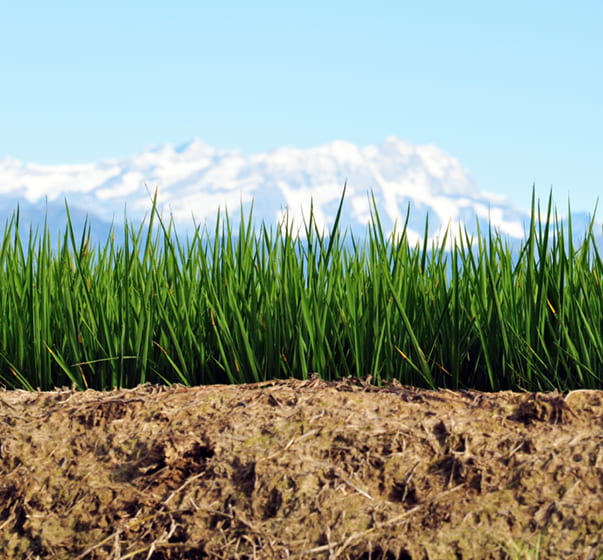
{"points": [[259, 303]]}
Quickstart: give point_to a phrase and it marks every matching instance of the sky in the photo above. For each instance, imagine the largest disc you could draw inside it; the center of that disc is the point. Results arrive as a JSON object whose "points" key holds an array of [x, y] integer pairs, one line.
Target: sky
{"points": [[513, 90]]}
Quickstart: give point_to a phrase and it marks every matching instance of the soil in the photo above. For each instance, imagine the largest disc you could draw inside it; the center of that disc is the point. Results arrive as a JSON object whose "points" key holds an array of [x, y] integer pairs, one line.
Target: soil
{"points": [[300, 469]]}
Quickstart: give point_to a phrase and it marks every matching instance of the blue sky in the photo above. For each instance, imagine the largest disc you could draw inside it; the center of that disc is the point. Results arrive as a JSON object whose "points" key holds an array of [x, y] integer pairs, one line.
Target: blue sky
{"points": [[513, 89]]}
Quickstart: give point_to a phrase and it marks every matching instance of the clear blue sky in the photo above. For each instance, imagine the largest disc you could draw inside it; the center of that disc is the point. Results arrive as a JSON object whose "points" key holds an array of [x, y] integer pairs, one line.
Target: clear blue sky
{"points": [[513, 89]]}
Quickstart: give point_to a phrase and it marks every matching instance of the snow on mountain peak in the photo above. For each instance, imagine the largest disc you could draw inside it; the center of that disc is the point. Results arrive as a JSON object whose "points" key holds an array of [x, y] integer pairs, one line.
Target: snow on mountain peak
{"points": [[195, 179]]}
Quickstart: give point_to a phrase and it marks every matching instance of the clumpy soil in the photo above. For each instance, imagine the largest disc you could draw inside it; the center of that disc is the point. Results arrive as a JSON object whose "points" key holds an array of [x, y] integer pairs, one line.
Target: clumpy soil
{"points": [[300, 469]]}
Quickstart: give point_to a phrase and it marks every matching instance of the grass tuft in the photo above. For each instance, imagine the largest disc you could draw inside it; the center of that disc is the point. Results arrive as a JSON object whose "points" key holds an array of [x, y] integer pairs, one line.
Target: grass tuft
{"points": [[244, 305]]}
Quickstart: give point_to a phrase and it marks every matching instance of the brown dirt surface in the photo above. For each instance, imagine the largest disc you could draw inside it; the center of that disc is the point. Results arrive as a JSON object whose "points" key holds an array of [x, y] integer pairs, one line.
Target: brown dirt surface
{"points": [[300, 469]]}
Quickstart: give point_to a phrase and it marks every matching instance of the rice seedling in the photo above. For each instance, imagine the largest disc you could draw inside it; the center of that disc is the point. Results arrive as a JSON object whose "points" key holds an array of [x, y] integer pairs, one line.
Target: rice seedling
{"points": [[256, 302]]}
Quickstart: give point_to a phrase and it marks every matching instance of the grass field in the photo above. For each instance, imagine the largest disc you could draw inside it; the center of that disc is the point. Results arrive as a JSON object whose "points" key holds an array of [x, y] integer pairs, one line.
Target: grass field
{"points": [[245, 304]]}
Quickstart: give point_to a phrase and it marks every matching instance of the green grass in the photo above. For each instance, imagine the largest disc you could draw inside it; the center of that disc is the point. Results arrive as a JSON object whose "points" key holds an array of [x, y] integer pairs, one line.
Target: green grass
{"points": [[244, 304], [518, 550]]}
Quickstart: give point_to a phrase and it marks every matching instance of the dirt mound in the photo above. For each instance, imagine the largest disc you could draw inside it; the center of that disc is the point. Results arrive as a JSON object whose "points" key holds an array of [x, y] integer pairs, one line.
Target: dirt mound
{"points": [[300, 469]]}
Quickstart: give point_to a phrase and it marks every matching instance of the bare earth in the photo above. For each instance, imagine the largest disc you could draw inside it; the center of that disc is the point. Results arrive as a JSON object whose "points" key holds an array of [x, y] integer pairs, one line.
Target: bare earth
{"points": [[300, 469]]}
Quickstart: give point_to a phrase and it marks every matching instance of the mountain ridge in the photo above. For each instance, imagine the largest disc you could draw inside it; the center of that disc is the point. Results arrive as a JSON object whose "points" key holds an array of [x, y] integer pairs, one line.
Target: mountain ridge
{"points": [[194, 180]]}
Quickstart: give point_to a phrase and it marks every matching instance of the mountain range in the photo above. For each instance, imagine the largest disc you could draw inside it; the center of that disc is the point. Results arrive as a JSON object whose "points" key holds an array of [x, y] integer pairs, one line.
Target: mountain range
{"points": [[194, 180]]}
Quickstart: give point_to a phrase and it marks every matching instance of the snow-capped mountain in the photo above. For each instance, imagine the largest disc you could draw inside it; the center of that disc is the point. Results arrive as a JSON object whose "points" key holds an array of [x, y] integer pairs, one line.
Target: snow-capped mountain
{"points": [[195, 180]]}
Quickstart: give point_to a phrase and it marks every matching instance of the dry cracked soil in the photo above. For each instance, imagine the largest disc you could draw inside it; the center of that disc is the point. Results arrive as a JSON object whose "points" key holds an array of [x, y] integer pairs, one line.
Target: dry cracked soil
{"points": [[300, 469]]}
